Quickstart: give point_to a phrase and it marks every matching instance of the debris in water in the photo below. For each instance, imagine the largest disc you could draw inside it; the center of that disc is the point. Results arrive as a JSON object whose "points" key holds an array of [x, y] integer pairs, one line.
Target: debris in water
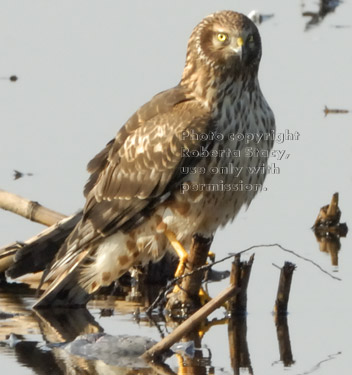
{"points": [[334, 111], [17, 174], [328, 229]]}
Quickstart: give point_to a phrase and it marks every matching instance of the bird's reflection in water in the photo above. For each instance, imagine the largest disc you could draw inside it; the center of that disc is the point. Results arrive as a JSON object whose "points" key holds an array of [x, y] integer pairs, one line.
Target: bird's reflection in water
{"points": [[54, 329], [64, 325], [57, 328], [60, 329]]}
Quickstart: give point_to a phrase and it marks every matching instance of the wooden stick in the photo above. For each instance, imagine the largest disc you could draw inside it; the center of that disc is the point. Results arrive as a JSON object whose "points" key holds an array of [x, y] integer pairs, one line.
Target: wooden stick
{"points": [[333, 207], [197, 258], [283, 291], [187, 295], [240, 274], [193, 321], [29, 209], [329, 215]]}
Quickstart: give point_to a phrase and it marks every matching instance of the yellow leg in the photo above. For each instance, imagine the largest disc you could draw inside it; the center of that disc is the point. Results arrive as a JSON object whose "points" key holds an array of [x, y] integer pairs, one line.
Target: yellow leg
{"points": [[181, 252], [183, 256]]}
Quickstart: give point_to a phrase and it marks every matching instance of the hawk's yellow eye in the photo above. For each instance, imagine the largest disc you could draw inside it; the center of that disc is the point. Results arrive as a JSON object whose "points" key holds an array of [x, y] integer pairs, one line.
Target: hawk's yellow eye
{"points": [[222, 37]]}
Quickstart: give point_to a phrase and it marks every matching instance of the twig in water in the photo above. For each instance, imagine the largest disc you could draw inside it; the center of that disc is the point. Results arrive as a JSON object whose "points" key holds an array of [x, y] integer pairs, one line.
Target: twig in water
{"points": [[172, 282], [231, 255], [303, 258], [317, 366], [189, 324]]}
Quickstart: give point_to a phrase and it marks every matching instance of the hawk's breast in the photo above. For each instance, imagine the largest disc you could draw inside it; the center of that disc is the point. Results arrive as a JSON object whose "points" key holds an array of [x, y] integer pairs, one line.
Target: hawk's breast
{"points": [[231, 172]]}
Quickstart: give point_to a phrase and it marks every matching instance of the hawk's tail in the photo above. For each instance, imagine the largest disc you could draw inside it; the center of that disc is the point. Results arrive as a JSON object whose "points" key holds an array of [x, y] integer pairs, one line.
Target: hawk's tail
{"points": [[66, 288], [38, 253], [64, 291]]}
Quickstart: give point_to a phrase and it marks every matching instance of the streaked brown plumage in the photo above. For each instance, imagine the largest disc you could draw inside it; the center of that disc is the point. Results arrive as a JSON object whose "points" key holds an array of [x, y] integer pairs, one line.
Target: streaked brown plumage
{"points": [[140, 185]]}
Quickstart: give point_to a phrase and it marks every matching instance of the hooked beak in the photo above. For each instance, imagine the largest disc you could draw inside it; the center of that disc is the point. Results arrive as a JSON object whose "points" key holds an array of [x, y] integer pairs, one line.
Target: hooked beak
{"points": [[238, 48]]}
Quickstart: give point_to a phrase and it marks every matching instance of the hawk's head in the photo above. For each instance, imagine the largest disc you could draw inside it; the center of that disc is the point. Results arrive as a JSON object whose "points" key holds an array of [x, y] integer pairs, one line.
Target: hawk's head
{"points": [[227, 41]]}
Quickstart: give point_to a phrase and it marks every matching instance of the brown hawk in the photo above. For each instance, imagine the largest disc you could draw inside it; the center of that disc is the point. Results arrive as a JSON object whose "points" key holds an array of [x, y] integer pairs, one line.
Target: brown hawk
{"points": [[179, 166]]}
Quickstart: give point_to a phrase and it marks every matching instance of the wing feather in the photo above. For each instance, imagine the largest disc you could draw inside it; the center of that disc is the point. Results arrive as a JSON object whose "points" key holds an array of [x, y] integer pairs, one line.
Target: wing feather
{"points": [[136, 171]]}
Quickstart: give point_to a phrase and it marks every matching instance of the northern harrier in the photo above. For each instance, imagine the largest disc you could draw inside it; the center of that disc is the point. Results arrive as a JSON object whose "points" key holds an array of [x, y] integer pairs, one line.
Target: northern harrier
{"points": [[179, 165]]}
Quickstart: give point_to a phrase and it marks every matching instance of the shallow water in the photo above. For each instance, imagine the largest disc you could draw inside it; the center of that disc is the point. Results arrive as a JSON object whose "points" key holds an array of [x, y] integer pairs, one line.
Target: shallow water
{"points": [[83, 70]]}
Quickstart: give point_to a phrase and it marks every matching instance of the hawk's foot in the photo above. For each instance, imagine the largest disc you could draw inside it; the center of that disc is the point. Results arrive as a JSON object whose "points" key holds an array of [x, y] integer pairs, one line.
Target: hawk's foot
{"points": [[180, 250]]}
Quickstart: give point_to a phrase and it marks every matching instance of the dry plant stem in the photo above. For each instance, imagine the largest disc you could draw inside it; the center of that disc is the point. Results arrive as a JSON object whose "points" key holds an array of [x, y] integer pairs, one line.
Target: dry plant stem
{"points": [[29, 209], [333, 206], [329, 215], [283, 291], [240, 274], [192, 322]]}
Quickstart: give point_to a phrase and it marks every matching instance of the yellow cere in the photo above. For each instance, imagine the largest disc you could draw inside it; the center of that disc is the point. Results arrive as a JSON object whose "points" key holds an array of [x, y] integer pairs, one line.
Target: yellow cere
{"points": [[240, 41], [222, 37]]}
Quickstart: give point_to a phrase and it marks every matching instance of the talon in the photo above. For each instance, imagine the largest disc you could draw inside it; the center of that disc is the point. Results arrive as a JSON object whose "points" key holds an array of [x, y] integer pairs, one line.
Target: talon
{"points": [[203, 296], [211, 256]]}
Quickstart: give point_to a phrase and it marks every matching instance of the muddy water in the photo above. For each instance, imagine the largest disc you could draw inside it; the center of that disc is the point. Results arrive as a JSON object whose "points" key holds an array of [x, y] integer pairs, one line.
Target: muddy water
{"points": [[53, 120]]}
